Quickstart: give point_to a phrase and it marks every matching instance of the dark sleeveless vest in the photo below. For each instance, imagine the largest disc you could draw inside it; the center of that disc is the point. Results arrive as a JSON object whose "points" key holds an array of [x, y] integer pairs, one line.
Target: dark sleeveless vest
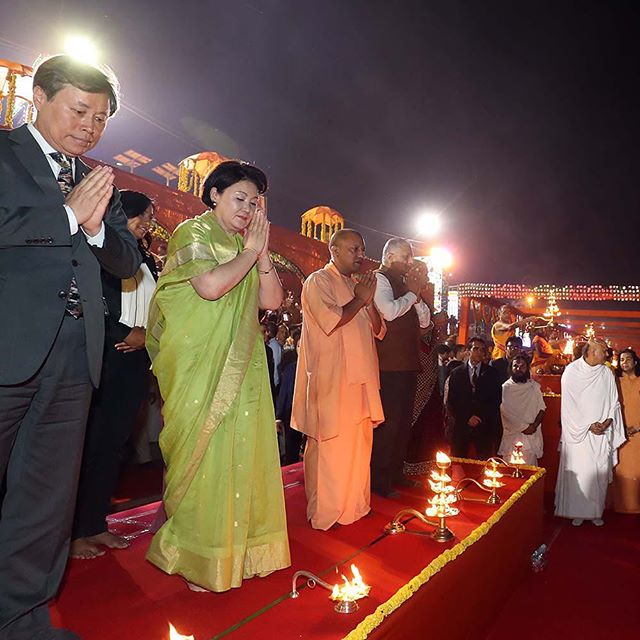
{"points": [[398, 350]]}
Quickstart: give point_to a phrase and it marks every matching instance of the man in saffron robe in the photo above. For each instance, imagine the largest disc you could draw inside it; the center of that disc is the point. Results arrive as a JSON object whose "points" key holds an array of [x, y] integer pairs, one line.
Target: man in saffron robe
{"points": [[336, 400], [592, 431]]}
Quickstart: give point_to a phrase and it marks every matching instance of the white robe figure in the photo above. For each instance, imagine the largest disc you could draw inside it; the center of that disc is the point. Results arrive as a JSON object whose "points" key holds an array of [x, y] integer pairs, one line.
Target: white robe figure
{"points": [[589, 394], [521, 403]]}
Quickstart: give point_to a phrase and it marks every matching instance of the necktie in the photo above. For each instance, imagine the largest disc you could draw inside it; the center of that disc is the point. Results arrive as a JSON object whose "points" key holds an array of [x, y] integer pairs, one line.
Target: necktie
{"points": [[474, 378], [65, 182]]}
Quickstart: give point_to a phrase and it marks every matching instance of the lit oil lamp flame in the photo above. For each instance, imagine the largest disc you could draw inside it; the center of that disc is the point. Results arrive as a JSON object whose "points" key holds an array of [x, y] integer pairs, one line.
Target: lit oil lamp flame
{"points": [[444, 493], [517, 457], [174, 635], [351, 591], [492, 476], [568, 348]]}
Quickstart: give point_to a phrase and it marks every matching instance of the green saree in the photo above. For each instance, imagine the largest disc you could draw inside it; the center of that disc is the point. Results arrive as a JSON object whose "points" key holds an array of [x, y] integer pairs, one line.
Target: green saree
{"points": [[223, 487]]}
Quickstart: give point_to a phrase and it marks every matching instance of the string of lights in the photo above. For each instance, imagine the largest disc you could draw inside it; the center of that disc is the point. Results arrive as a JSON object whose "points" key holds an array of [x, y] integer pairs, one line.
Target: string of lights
{"points": [[575, 292]]}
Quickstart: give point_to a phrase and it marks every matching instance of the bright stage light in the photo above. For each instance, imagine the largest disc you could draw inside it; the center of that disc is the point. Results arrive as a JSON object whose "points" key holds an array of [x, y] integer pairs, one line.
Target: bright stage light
{"points": [[429, 224], [441, 257], [81, 48]]}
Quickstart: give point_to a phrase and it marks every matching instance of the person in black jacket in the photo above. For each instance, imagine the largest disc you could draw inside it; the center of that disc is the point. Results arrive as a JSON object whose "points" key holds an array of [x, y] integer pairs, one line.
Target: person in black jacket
{"points": [[60, 223], [513, 347], [125, 378], [284, 403], [474, 402]]}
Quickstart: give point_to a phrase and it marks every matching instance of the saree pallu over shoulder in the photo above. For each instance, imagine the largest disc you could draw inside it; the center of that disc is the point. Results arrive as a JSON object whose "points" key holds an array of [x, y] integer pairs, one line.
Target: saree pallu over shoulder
{"points": [[218, 440]]}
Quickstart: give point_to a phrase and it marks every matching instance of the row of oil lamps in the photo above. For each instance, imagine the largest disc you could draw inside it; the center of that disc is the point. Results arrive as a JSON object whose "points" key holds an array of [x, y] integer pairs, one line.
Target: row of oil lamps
{"points": [[441, 506]]}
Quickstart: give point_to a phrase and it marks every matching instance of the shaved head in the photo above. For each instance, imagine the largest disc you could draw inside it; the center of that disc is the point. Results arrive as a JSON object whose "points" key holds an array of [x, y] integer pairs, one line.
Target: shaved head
{"points": [[347, 251], [343, 235]]}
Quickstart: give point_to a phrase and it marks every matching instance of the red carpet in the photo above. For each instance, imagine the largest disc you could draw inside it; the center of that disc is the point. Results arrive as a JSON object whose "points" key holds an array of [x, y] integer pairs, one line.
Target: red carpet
{"points": [[589, 589], [120, 596], [592, 571]]}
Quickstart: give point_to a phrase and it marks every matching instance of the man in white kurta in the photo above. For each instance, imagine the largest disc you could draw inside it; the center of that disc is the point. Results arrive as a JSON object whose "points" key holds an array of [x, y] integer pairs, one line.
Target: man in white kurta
{"points": [[522, 411], [592, 431], [336, 400]]}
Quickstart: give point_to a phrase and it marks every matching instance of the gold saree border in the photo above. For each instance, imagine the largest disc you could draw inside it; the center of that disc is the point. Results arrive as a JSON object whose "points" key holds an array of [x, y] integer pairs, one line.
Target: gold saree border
{"points": [[188, 253], [375, 619], [229, 572]]}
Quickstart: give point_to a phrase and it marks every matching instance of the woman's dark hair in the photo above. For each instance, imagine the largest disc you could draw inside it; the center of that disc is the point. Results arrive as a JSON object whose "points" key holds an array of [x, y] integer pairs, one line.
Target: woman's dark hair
{"points": [[134, 203], [635, 359], [54, 74], [229, 173]]}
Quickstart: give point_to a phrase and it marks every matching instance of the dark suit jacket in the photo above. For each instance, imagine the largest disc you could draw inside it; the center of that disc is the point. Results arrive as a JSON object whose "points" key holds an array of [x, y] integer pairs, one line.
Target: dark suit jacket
{"points": [[484, 403], [39, 256], [453, 364], [501, 365]]}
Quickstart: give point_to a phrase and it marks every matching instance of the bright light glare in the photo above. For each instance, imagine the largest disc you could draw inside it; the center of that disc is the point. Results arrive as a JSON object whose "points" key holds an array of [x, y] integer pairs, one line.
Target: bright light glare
{"points": [[429, 224], [442, 257], [81, 48]]}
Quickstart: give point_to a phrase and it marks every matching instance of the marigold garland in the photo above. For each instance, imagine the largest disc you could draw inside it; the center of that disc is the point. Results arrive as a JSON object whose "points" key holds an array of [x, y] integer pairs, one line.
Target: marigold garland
{"points": [[11, 99], [374, 620]]}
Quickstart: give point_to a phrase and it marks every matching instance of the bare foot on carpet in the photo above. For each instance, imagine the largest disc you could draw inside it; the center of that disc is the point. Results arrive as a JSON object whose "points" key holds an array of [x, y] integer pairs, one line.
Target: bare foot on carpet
{"points": [[109, 540], [83, 549]]}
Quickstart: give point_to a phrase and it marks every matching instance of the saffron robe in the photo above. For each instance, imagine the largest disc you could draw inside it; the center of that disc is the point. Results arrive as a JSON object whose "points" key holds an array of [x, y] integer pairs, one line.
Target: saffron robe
{"points": [[336, 400]]}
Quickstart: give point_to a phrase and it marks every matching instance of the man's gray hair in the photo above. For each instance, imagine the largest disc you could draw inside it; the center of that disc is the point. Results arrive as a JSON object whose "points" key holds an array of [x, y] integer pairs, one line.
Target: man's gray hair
{"points": [[392, 246]]}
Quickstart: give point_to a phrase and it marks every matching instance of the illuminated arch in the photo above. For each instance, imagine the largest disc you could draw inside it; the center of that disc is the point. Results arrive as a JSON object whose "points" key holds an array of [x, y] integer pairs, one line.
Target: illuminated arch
{"points": [[320, 223]]}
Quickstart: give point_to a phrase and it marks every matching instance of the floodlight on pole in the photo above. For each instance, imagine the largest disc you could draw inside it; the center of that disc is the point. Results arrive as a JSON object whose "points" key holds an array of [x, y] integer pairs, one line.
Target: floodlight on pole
{"points": [[428, 224], [81, 48]]}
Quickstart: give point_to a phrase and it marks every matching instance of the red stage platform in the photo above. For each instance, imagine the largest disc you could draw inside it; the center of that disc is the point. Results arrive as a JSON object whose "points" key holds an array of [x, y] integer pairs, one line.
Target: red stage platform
{"points": [[417, 585]]}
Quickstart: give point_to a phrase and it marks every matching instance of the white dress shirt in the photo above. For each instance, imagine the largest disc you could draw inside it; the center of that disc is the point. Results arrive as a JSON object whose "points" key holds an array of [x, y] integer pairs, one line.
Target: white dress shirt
{"points": [[47, 149], [392, 308]]}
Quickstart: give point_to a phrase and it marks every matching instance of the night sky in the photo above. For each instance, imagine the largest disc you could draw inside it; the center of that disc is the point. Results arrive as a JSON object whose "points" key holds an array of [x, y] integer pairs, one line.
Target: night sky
{"points": [[519, 121]]}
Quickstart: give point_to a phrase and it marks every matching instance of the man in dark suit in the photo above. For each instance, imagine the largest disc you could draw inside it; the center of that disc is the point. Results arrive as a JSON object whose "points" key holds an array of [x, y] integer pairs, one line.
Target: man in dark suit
{"points": [[60, 223], [474, 402], [513, 347]]}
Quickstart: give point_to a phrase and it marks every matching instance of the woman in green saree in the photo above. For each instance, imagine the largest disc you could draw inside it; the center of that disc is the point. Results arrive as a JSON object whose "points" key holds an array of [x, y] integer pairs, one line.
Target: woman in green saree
{"points": [[223, 487]]}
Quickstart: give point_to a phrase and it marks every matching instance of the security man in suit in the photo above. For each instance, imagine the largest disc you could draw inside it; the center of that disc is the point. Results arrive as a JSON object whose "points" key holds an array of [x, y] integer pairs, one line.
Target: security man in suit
{"points": [[60, 222], [474, 401]]}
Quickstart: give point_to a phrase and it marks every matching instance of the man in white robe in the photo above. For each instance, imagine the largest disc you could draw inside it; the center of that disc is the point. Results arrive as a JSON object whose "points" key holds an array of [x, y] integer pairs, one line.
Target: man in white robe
{"points": [[522, 412], [592, 431]]}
